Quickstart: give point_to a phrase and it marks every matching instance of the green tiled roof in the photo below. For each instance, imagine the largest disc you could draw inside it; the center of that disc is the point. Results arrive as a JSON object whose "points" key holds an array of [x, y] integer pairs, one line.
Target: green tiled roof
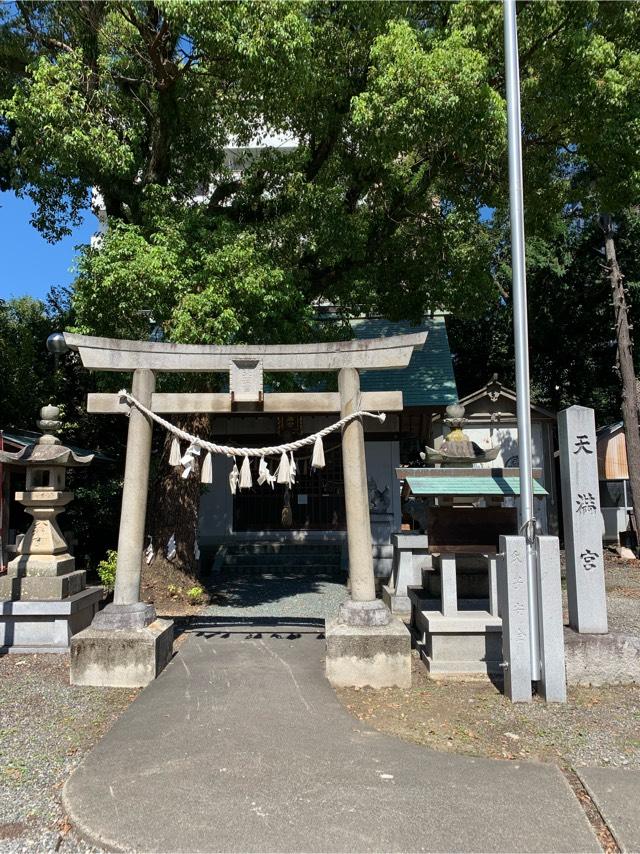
{"points": [[461, 485], [429, 379]]}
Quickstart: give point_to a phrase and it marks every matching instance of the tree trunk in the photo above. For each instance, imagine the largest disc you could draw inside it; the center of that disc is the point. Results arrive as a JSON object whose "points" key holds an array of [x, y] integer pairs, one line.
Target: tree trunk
{"points": [[625, 361], [174, 504]]}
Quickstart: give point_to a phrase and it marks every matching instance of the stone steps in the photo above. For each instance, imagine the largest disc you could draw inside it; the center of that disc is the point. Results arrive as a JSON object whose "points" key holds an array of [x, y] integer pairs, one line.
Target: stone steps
{"points": [[279, 561], [248, 560], [264, 548]]}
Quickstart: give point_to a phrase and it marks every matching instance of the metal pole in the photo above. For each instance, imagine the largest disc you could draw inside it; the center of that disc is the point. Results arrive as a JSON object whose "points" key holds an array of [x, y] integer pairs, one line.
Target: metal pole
{"points": [[520, 328]]}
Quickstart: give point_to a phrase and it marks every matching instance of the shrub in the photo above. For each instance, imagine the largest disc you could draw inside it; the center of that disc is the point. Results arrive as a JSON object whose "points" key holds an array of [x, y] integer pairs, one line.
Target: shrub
{"points": [[195, 595], [107, 570]]}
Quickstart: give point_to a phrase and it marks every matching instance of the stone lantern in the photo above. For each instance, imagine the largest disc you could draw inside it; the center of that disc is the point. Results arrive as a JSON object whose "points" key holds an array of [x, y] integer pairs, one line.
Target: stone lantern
{"points": [[45, 598]]}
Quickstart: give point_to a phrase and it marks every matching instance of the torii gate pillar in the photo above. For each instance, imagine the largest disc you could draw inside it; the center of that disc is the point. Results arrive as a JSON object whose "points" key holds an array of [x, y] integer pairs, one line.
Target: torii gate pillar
{"points": [[366, 645]]}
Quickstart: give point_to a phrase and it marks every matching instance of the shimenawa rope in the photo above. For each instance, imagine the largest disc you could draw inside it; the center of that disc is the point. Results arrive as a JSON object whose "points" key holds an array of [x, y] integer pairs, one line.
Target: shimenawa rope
{"points": [[286, 471]]}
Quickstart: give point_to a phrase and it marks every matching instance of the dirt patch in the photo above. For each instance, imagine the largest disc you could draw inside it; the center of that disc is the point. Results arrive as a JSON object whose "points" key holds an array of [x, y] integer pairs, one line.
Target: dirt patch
{"points": [[597, 726], [166, 587]]}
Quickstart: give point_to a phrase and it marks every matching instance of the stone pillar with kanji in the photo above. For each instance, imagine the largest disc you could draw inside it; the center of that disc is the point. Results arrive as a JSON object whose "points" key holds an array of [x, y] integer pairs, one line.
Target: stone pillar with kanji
{"points": [[583, 523]]}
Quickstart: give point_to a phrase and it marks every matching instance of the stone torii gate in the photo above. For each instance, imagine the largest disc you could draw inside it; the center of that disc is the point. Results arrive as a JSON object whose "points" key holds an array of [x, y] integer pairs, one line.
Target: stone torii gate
{"points": [[127, 645]]}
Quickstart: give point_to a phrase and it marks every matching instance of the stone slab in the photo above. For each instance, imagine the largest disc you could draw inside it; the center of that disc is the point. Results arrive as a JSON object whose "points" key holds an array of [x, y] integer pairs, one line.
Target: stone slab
{"points": [[363, 614], [465, 622], [134, 616], [242, 746], [514, 608], [377, 656], [553, 677], [616, 793], [46, 626], [410, 540], [611, 659], [461, 670], [121, 658]]}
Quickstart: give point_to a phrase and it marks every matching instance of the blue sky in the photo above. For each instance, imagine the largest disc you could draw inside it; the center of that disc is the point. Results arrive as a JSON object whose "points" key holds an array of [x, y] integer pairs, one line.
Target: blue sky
{"points": [[29, 265]]}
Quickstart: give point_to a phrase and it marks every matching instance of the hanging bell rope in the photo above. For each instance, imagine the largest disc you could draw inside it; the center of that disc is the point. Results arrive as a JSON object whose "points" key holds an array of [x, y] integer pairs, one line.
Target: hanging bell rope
{"points": [[229, 451]]}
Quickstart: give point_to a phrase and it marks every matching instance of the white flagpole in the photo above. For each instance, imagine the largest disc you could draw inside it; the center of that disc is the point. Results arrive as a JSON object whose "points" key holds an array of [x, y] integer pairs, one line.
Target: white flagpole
{"points": [[520, 328]]}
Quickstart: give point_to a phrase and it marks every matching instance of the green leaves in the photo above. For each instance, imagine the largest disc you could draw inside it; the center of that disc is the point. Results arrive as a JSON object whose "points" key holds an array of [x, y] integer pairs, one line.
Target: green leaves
{"points": [[386, 141]]}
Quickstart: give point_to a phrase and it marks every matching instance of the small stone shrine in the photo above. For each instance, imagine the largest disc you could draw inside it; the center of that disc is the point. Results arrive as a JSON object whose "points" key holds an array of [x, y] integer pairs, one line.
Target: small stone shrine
{"points": [[45, 599]]}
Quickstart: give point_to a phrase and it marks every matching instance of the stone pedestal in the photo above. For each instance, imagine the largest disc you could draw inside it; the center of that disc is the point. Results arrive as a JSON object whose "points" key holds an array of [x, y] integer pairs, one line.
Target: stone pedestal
{"points": [[410, 557], [126, 646], [377, 656], [46, 626], [121, 658], [464, 645]]}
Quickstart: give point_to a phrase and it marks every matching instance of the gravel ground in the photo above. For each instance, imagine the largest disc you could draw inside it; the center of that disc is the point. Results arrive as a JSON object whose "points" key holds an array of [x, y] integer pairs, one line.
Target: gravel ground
{"points": [[622, 582], [46, 727], [623, 594], [278, 593]]}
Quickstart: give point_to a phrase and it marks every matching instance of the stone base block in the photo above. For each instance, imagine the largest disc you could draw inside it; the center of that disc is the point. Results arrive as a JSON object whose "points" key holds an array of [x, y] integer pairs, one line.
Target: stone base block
{"points": [[121, 658], [41, 565], [52, 587], [46, 626], [611, 659], [467, 645], [378, 656], [400, 605]]}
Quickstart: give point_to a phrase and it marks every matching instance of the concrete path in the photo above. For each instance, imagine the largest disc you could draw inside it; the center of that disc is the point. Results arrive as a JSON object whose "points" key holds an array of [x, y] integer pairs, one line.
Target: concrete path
{"points": [[616, 793], [241, 746]]}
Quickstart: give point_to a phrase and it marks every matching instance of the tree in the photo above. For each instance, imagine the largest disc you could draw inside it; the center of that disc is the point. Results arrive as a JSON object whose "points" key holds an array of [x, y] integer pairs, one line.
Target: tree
{"points": [[573, 341], [625, 364], [398, 116], [27, 379], [580, 66], [399, 143]]}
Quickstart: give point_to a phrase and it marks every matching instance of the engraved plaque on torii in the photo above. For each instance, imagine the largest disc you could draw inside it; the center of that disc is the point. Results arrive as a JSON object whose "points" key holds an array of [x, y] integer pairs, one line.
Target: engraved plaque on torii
{"points": [[245, 380]]}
